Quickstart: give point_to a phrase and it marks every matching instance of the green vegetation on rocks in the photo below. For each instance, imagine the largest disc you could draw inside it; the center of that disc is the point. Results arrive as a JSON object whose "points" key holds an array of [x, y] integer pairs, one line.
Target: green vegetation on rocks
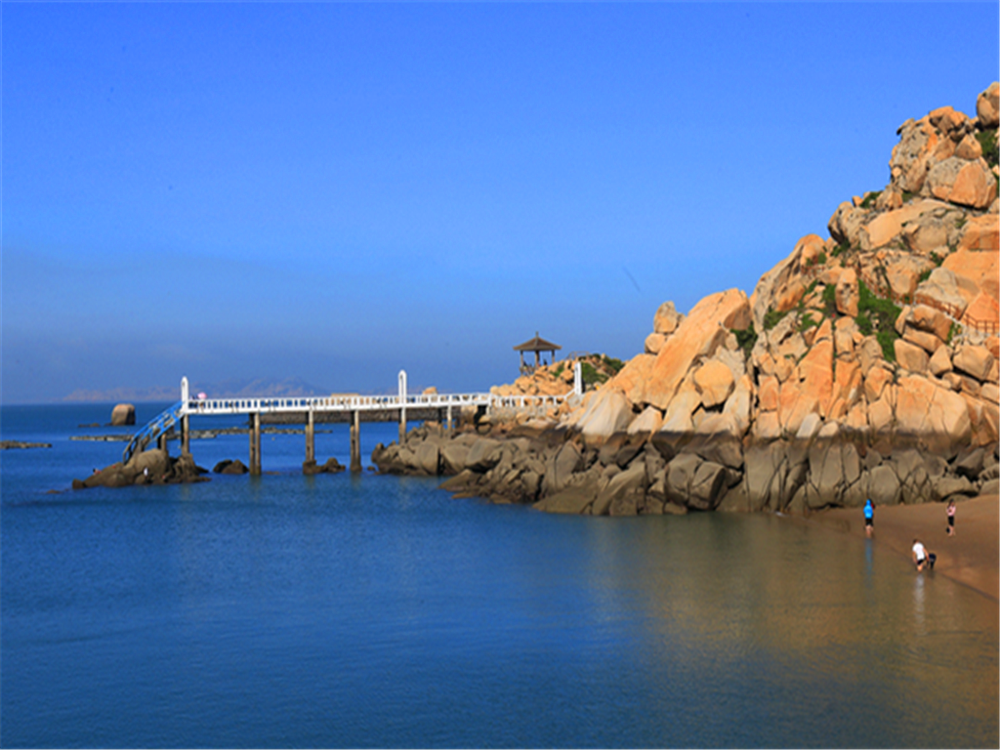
{"points": [[830, 299], [590, 375], [772, 318], [870, 199], [615, 365], [988, 141], [953, 332], [806, 322], [746, 338], [878, 314]]}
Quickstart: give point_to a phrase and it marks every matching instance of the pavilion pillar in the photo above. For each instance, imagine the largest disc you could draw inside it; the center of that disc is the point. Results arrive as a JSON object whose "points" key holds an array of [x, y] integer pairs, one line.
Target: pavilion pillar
{"points": [[355, 441], [185, 436], [311, 437], [255, 444]]}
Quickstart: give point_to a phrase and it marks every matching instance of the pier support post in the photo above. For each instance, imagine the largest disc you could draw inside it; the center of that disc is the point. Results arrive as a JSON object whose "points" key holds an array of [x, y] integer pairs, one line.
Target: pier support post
{"points": [[185, 436], [402, 406], [161, 442], [449, 418], [311, 437], [255, 443], [355, 441]]}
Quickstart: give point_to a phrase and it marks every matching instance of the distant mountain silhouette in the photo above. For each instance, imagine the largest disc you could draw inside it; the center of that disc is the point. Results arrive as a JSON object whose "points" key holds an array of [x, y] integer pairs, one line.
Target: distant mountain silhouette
{"points": [[231, 388]]}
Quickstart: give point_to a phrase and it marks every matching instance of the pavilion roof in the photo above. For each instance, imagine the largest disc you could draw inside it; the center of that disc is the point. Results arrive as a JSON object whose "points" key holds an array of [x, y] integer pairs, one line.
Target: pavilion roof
{"points": [[537, 344]]}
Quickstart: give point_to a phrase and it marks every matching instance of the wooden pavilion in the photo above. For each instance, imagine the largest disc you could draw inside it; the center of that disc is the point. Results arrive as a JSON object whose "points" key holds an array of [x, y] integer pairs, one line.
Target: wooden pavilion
{"points": [[536, 345]]}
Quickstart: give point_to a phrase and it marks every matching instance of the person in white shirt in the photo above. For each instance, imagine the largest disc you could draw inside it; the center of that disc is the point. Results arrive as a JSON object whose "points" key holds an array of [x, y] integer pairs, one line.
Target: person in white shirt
{"points": [[919, 555]]}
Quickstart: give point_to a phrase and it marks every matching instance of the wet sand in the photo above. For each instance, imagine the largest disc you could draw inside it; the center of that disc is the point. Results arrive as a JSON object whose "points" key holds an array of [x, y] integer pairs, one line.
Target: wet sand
{"points": [[971, 556]]}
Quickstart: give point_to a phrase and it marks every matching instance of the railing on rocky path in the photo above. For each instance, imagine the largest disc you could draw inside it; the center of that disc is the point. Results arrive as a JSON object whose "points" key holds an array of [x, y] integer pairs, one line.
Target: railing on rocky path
{"points": [[957, 315]]}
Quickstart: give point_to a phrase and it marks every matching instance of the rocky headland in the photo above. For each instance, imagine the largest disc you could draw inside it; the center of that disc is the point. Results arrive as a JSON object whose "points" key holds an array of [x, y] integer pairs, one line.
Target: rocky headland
{"points": [[865, 364]]}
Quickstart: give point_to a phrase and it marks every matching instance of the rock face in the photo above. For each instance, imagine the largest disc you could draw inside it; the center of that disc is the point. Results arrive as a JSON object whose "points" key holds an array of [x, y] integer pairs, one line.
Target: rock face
{"points": [[122, 415], [863, 365]]}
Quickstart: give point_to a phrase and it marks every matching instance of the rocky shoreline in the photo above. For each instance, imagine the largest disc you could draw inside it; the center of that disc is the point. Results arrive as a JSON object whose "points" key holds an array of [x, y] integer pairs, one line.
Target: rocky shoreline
{"points": [[864, 365], [561, 471]]}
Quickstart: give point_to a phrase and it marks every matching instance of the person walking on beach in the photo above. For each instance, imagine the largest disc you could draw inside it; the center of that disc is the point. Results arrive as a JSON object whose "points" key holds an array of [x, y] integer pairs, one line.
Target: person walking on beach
{"points": [[869, 518], [919, 555], [951, 518]]}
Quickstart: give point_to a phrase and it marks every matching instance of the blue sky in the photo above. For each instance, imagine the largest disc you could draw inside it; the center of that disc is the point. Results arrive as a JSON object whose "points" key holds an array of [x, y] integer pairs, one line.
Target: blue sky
{"points": [[333, 192]]}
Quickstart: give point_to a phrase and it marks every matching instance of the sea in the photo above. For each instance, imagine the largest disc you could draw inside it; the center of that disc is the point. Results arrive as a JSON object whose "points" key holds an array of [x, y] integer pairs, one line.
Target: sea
{"points": [[377, 611]]}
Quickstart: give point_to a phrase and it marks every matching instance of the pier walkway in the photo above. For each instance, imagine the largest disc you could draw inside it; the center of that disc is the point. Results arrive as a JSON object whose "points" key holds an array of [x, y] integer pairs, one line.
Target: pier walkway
{"points": [[355, 409]]}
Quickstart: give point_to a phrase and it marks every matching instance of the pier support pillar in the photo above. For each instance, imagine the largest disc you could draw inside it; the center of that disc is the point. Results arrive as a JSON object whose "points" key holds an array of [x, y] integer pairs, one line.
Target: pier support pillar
{"points": [[450, 423], [185, 436], [355, 441], [402, 406], [161, 442], [311, 437], [255, 444]]}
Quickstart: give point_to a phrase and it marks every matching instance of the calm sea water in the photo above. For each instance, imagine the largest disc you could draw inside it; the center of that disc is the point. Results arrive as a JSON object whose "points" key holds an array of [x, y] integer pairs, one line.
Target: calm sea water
{"points": [[369, 611]]}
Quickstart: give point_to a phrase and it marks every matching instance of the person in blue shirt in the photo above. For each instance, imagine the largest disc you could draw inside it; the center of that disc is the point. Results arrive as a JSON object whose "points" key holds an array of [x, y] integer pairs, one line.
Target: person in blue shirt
{"points": [[869, 518]]}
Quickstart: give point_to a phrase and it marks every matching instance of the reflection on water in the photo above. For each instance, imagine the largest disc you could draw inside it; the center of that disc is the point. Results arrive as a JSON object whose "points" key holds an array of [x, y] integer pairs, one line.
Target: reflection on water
{"points": [[374, 611], [918, 605]]}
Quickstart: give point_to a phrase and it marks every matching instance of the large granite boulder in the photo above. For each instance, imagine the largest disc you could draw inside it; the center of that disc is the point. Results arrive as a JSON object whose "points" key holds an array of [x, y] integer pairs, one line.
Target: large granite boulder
{"points": [[987, 107], [123, 415], [608, 412], [698, 335]]}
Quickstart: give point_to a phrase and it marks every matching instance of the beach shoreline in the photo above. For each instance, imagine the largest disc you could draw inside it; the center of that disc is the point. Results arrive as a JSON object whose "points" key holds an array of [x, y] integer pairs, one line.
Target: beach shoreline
{"points": [[971, 557]]}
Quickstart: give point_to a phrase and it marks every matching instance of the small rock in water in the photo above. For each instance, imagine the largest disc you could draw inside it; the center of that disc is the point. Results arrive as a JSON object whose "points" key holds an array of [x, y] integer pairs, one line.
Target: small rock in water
{"points": [[123, 414], [332, 466], [8, 444], [230, 467]]}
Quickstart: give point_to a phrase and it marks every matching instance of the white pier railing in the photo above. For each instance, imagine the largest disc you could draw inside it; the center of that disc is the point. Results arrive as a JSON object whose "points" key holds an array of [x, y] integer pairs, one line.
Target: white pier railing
{"points": [[353, 406], [402, 400]]}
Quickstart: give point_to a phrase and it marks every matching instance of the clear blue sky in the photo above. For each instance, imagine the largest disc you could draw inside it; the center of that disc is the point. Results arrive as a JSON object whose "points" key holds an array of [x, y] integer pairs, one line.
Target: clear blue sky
{"points": [[333, 192]]}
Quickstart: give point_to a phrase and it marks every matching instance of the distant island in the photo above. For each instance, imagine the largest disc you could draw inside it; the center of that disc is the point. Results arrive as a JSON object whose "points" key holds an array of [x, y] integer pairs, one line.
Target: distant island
{"points": [[232, 388]]}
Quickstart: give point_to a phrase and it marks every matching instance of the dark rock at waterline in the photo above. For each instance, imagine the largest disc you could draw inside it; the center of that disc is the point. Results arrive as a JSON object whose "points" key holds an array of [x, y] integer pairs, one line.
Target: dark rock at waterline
{"points": [[332, 466], [558, 471], [154, 466], [10, 444], [230, 467]]}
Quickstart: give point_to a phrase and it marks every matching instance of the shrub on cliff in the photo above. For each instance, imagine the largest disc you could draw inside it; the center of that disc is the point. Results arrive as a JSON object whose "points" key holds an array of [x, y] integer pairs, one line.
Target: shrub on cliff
{"points": [[879, 314]]}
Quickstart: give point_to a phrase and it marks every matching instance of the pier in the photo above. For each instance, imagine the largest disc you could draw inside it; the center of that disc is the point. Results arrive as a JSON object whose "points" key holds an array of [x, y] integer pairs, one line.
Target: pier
{"points": [[442, 407]]}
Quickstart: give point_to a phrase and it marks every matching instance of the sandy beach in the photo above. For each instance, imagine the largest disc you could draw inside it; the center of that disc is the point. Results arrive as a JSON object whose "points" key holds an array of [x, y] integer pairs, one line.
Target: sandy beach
{"points": [[971, 556]]}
